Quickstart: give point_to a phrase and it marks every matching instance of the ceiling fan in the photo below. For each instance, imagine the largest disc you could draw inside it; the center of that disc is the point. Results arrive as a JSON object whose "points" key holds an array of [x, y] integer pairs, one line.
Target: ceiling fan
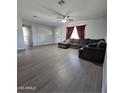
{"points": [[61, 17], [64, 18]]}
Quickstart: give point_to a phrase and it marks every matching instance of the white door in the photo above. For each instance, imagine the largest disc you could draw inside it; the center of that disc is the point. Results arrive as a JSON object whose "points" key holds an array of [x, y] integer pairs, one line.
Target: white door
{"points": [[27, 33]]}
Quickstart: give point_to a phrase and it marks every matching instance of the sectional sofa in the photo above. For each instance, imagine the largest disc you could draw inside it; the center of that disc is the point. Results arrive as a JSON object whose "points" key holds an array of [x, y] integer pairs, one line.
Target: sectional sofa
{"points": [[77, 43]]}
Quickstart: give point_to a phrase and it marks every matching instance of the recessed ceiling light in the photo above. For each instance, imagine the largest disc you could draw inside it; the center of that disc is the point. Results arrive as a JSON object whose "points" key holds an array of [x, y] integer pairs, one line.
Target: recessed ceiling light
{"points": [[35, 16]]}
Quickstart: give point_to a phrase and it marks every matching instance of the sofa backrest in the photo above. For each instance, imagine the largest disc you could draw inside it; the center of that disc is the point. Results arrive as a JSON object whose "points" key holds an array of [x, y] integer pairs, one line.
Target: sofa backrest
{"points": [[85, 41], [74, 40], [95, 40], [101, 44]]}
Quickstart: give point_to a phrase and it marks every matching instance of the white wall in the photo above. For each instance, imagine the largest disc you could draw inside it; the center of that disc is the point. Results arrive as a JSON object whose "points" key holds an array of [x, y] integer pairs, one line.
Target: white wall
{"points": [[59, 33], [20, 40], [41, 34], [104, 82], [95, 29]]}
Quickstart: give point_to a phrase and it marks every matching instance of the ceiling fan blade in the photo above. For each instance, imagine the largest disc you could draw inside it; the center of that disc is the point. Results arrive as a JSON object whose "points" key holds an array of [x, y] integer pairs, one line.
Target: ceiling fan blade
{"points": [[58, 20], [59, 17], [53, 11], [65, 17], [68, 16], [70, 19]]}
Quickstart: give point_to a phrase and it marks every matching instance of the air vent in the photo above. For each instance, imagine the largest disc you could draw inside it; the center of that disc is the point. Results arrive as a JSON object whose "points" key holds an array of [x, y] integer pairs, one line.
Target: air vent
{"points": [[61, 2]]}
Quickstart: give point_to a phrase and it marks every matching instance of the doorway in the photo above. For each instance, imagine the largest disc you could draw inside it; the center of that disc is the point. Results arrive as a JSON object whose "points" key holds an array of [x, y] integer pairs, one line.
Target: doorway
{"points": [[27, 34]]}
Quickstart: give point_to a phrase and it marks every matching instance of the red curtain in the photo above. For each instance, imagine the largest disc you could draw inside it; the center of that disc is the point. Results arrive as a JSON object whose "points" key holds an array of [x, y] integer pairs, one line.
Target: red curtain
{"points": [[81, 30], [69, 32]]}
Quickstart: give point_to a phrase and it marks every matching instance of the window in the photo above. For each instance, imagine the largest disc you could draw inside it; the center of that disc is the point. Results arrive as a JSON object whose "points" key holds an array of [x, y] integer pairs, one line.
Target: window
{"points": [[75, 34]]}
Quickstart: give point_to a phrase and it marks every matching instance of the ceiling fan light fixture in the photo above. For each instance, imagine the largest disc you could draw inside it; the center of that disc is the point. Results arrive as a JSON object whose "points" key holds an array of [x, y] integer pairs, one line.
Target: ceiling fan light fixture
{"points": [[64, 20]]}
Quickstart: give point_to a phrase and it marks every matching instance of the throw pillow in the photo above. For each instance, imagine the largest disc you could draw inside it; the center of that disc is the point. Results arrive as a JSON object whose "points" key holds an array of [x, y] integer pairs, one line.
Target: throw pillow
{"points": [[101, 44]]}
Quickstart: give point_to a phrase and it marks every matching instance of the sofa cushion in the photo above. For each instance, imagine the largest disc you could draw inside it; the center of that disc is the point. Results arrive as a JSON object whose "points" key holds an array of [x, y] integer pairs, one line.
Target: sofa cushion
{"points": [[71, 40], [95, 40], [92, 45], [85, 41], [68, 41], [83, 44], [75, 44], [101, 44], [74, 41]]}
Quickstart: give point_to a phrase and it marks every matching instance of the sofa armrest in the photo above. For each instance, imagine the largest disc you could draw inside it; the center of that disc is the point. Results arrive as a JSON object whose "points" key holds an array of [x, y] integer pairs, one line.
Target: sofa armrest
{"points": [[92, 54], [92, 45]]}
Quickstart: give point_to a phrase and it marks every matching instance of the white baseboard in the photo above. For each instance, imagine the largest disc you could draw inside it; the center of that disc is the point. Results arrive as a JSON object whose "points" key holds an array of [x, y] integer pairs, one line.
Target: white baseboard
{"points": [[44, 44], [20, 49]]}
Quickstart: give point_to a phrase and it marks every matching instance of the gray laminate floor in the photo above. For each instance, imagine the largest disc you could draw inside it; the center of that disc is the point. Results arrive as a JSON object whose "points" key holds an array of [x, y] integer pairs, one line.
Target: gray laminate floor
{"points": [[48, 69]]}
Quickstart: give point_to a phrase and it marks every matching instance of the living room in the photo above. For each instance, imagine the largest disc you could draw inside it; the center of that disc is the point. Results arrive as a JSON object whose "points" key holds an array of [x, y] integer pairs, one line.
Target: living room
{"points": [[45, 63], [95, 29], [40, 54]]}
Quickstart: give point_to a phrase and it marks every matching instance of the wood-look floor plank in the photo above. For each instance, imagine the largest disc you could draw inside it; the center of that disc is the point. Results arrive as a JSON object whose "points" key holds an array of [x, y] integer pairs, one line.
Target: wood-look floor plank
{"points": [[49, 69]]}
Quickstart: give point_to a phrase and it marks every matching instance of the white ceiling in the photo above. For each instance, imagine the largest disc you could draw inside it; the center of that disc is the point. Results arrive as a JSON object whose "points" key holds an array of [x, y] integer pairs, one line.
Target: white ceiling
{"points": [[48, 10]]}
